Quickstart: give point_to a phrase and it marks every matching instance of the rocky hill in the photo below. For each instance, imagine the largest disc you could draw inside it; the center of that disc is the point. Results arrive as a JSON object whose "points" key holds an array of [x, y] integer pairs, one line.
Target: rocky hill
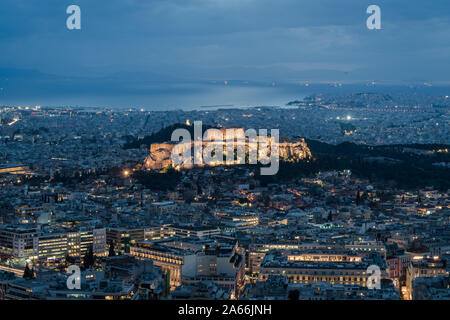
{"points": [[290, 149]]}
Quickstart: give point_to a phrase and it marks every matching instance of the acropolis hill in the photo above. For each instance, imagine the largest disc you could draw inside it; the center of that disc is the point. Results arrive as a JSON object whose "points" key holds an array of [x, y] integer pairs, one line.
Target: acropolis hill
{"points": [[290, 149]]}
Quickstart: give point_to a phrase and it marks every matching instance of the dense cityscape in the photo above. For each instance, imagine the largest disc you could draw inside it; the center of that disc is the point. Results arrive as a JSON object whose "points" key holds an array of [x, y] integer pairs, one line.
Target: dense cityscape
{"points": [[200, 159], [364, 185]]}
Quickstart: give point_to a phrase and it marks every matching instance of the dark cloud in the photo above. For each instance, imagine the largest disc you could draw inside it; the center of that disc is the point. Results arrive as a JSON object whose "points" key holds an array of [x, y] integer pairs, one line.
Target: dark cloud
{"points": [[229, 39]]}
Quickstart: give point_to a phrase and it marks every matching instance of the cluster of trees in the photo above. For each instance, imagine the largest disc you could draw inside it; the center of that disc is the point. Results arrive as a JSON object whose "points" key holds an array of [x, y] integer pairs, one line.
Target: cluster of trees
{"points": [[89, 259], [112, 174], [111, 252], [78, 176], [29, 273], [163, 135], [164, 181], [406, 170]]}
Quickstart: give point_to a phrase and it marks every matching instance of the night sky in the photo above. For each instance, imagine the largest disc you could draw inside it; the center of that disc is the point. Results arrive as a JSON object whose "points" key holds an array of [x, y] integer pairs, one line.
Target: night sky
{"points": [[132, 42]]}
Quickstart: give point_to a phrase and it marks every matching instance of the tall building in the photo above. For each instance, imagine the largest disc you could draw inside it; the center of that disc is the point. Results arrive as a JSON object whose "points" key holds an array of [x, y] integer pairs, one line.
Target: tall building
{"points": [[51, 245]]}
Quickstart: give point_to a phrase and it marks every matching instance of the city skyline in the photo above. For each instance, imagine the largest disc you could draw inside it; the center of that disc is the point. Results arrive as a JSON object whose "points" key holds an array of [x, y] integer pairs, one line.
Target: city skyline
{"points": [[216, 158]]}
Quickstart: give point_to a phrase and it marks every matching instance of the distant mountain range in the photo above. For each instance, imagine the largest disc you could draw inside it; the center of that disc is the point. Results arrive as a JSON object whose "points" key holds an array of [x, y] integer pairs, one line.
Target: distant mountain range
{"points": [[153, 90]]}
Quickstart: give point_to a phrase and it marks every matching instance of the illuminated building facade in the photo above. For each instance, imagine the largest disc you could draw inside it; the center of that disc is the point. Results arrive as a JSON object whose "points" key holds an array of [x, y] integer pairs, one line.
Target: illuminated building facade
{"points": [[303, 271], [28, 243], [428, 267], [190, 262]]}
